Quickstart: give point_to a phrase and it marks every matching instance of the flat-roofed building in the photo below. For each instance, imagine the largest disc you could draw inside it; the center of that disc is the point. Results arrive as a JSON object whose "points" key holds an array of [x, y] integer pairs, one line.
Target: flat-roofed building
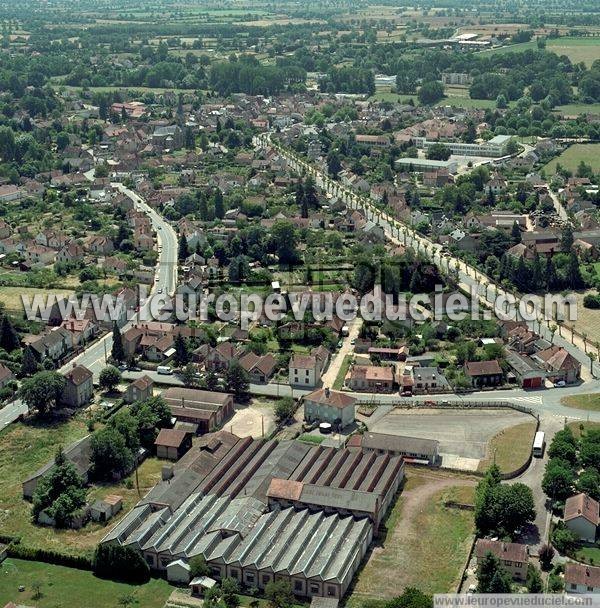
{"points": [[410, 448]]}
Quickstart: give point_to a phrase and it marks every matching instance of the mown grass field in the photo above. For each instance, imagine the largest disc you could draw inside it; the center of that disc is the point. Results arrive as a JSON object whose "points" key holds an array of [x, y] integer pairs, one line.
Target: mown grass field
{"points": [[578, 427], [573, 155], [510, 448], [60, 586]]}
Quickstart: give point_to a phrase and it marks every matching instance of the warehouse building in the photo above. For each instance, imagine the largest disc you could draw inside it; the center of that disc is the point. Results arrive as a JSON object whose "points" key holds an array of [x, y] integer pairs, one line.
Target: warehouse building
{"points": [[260, 510]]}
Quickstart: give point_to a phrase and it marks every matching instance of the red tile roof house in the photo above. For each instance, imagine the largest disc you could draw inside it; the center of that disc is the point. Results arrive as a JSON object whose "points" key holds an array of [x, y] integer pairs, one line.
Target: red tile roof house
{"points": [[580, 578], [561, 364], [484, 373], [259, 368], [6, 376], [172, 444], [371, 378], [582, 516], [513, 556]]}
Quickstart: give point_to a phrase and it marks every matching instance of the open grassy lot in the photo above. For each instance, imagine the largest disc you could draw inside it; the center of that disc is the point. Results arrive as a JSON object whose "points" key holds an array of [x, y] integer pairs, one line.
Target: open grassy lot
{"points": [[466, 102], [589, 554], [577, 49], [424, 543], [60, 586], [510, 447], [583, 402], [11, 296], [579, 427], [24, 448], [572, 156]]}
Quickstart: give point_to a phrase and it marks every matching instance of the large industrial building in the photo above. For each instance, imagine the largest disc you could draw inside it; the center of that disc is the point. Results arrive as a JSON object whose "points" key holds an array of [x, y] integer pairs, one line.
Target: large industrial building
{"points": [[260, 510]]}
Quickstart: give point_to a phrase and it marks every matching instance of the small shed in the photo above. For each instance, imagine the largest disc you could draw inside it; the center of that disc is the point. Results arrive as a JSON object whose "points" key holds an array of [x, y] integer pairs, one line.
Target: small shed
{"points": [[200, 584], [178, 572], [103, 510]]}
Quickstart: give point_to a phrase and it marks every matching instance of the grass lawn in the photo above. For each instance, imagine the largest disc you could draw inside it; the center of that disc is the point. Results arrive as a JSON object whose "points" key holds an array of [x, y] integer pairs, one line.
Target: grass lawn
{"points": [[24, 448], [11, 296], [308, 438], [339, 380], [511, 446], [576, 49], [572, 156], [425, 544], [466, 102], [589, 555], [578, 427], [60, 586], [583, 402]]}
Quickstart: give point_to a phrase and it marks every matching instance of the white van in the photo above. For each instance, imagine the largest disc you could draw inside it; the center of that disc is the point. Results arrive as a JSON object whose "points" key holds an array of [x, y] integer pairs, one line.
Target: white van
{"points": [[164, 370]]}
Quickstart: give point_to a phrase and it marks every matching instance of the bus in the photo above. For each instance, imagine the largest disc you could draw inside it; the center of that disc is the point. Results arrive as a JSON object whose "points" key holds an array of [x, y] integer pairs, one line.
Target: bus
{"points": [[539, 443]]}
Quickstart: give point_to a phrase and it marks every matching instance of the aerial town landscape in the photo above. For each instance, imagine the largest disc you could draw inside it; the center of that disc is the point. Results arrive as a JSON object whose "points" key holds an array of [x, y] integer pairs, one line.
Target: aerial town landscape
{"points": [[299, 302]]}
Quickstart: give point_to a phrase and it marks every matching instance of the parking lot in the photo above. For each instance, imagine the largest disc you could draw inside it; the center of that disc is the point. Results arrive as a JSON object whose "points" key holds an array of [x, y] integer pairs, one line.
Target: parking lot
{"points": [[461, 433]]}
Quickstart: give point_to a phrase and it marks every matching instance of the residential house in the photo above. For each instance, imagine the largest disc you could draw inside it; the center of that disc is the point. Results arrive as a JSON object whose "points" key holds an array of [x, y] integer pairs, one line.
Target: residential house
{"points": [[325, 405], [54, 345], [582, 516], [581, 578], [260, 368], [71, 252], [484, 373], [140, 389], [371, 378], [514, 557], [79, 386], [560, 364], [306, 370]]}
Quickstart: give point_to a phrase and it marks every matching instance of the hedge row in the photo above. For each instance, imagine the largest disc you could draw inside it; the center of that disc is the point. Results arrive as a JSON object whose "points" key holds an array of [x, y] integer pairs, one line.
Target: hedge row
{"points": [[48, 556]]}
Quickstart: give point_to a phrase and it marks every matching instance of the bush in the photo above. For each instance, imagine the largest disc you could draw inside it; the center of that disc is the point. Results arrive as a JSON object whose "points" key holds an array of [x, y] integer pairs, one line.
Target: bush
{"points": [[591, 301], [120, 563]]}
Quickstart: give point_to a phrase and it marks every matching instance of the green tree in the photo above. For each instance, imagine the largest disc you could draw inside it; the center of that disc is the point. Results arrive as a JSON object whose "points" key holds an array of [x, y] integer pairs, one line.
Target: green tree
{"points": [[61, 492], [120, 563], [430, 92], [558, 479], [218, 203], [29, 362], [439, 152], [229, 592], [491, 576], [563, 539], [198, 566], [237, 379], [534, 580], [117, 351], [183, 251], [411, 598], [42, 391], [279, 594], [9, 338], [284, 409], [182, 350], [110, 376], [110, 455]]}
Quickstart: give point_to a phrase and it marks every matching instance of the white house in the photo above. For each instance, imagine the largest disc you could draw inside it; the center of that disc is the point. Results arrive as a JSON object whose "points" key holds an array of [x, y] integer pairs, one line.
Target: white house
{"points": [[582, 516]]}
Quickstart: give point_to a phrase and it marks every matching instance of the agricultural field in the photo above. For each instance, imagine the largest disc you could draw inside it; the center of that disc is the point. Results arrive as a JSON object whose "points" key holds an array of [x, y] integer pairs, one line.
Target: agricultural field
{"points": [[577, 49], [572, 156], [420, 535]]}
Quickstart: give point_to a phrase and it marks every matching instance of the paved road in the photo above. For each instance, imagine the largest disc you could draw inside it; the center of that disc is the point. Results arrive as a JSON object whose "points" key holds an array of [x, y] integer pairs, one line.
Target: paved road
{"points": [[94, 357]]}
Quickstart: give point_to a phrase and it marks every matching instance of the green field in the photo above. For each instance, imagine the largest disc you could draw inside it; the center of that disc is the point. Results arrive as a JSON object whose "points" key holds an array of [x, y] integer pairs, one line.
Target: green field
{"points": [[589, 402], [573, 109], [577, 49], [572, 156], [60, 586], [467, 102]]}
